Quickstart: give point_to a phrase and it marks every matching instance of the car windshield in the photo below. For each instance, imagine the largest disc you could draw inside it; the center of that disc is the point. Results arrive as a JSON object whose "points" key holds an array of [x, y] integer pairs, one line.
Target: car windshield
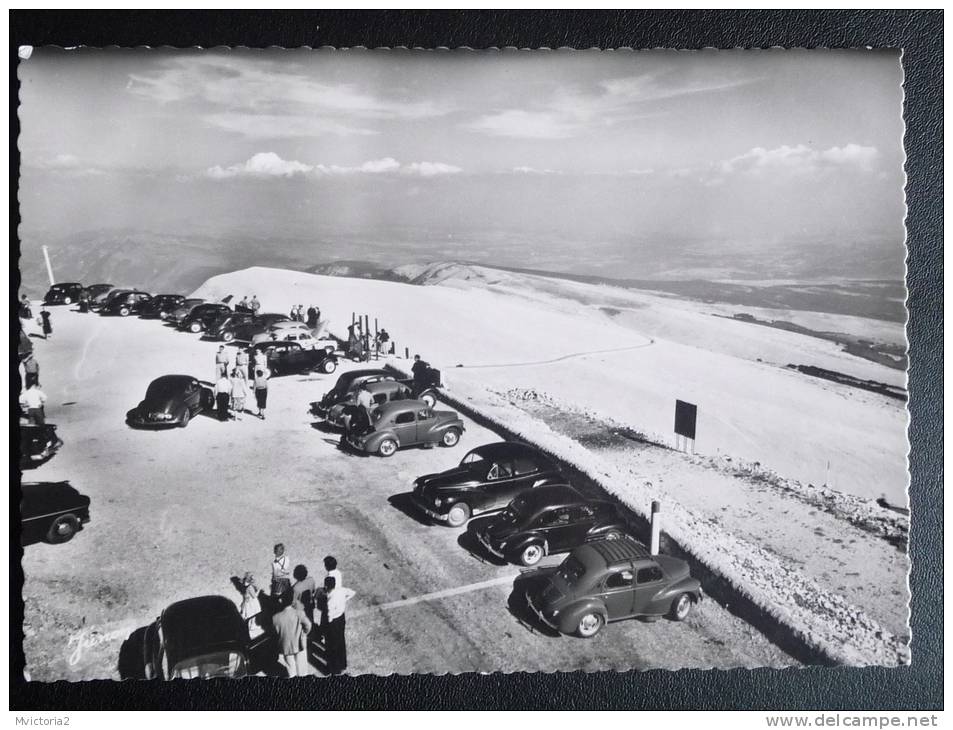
{"points": [[219, 664], [571, 569]]}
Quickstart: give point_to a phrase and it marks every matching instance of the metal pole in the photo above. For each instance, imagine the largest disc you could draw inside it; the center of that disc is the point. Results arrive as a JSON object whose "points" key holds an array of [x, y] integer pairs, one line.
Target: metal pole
{"points": [[407, 353], [49, 267], [656, 526]]}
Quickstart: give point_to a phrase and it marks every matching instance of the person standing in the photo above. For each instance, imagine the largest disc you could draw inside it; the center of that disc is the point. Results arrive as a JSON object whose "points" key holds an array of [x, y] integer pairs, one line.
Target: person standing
{"points": [[26, 311], [241, 363], [249, 594], [32, 400], [331, 566], [254, 305], [303, 591], [261, 391], [242, 306], [280, 571], [239, 391], [31, 369], [223, 396], [293, 314], [312, 320], [335, 643], [46, 323], [221, 362], [365, 400], [292, 628]]}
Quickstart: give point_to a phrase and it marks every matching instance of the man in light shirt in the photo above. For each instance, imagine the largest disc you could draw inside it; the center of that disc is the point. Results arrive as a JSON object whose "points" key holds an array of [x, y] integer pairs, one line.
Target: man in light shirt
{"points": [[335, 644], [32, 399], [280, 571]]}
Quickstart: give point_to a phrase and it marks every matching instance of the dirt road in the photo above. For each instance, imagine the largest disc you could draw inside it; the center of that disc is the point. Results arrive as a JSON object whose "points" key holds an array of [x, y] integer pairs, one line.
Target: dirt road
{"points": [[176, 513]]}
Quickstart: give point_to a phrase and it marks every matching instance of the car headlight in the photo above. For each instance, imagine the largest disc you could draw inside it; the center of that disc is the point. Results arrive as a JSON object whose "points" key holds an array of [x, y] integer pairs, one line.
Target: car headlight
{"points": [[437, 502]]}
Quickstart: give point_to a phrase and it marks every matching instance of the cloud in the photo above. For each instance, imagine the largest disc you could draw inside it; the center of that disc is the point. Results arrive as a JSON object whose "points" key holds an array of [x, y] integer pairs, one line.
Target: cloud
{"points": [[525, 124], [267, 99], [801, 160], [66, 165], [526, 170], [263, 164], [270, 165]]}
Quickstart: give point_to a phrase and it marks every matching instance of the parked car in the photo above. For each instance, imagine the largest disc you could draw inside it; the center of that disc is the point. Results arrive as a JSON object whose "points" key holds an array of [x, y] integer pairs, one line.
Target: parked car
{"points": [[64, 293], [224, 325], [610, 580], [203, 638], [339, 393], [52, 512], [400, 424], [200, 317], [285, 358], [94, 290], [160, 305], [547, 520], [383, 391], [303, 338], [38, 444], [182, 311], [488, 478], [245, 332], [97, 303], [171, 400], [126, 304]]}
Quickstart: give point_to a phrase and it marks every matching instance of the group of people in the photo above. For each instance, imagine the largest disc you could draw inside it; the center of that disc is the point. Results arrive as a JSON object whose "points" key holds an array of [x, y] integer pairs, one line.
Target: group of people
{"points": [[44, 321], [311, 318], [232, 386], [300, 611], [252, 306]]}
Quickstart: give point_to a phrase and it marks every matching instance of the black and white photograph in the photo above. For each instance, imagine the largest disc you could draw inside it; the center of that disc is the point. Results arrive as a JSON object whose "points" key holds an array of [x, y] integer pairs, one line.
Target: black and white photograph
{"points": [[405, 361]]}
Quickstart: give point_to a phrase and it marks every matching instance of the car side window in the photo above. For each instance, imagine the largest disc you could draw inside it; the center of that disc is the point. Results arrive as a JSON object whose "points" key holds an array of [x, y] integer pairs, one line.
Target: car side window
{"points": [[425, 415], [380, 398], [523, 465], [407, 417], [583, 512], [501, 470], [621, 579], [649, 575]]}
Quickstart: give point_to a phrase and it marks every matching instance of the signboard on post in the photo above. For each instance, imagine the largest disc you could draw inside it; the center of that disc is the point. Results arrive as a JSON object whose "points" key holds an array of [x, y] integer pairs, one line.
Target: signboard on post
{"points": [[686, 415]]}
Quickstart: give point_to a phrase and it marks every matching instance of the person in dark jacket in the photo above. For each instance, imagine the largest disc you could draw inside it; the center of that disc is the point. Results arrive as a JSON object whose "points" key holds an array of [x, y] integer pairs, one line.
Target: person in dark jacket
{"points": [[312, 320], [32, 370], [47, 325], [26, 312]]}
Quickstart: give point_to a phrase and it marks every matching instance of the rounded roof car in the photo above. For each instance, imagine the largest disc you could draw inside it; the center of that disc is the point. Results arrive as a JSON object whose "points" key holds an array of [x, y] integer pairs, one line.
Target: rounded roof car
{"points": [[66, 292], [383, 391], [610, 580], [170, 400], [52, 511], [488, 477], [550, 519], [344, 383], [407, 423]]}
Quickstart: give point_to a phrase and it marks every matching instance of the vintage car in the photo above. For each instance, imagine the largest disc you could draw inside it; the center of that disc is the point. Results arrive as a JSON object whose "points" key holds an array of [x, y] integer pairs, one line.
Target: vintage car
{"points": [[224, 325], [383, 391], [38, 444], [97, 303], [202, 638], [182, 311], [488, 478], [65, 293], [256, 325], [161, 304], [295, 332], [200, 317], [171, 400], [341, 389], [52, 512], [94, 290], [610, 580], [399, 424], [547, 520], [285, 358], [125, 304]]}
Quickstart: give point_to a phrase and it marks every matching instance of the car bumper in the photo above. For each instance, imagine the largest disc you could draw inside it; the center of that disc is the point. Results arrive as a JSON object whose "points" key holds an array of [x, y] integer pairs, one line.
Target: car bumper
{"points": [[138, 420], [539, 613], [427, 509], [50, 449], [485, 542]]}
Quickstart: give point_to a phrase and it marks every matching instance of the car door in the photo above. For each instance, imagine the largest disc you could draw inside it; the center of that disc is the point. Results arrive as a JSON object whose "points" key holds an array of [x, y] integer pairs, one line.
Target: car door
{"points": [[617, 593], [561, 530], [405, 428], [502, 484], [648, 581], [192, 395], [425, 424]]}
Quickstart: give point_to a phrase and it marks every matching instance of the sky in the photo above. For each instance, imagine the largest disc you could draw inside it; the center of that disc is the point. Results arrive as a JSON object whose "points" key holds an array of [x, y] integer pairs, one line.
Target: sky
{"points": [[740, 149]]}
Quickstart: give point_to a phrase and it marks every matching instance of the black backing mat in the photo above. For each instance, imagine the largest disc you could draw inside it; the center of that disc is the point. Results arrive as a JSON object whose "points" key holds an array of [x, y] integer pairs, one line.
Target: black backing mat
{"points": [[918, 33]]}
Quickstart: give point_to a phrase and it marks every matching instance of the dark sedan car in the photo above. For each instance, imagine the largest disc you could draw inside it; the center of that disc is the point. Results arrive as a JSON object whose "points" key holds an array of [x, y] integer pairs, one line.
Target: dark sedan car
{"points": [[202, 316], [285, 358], [399, 424], [488, 478], [224, 326], [52, 512], [341, 390], [171, 400], [547, 520], [94, 290], [202, 638], [125, 304], [99, 302], [160, 305], [256, 325], [38, 444], [608, 581], [182, 311], [65, 293]]}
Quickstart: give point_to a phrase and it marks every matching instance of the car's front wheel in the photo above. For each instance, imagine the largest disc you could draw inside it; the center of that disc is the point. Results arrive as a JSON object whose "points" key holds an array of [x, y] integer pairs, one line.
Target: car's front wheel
{"points": [[195, 327], [458, 514], [228, 336], [63, 529], [67, 300], [387, 447], [186, 416], [329, 366], [532, 554], [682, 607], [451, 437], [124, 312], [589, 625]]}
